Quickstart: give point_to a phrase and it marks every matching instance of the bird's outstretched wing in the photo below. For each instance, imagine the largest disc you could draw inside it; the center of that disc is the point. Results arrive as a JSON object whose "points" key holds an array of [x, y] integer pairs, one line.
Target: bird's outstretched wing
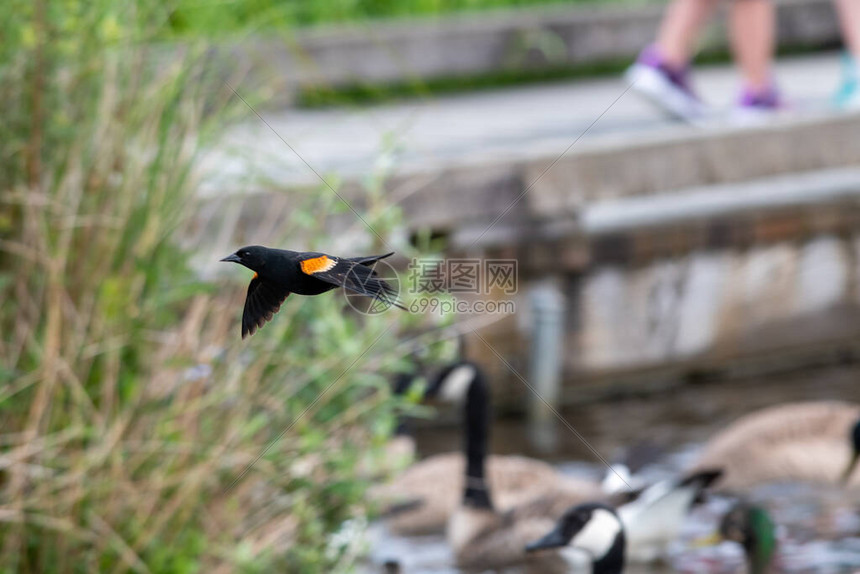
{"points": [[355, 275], [262, 302]]}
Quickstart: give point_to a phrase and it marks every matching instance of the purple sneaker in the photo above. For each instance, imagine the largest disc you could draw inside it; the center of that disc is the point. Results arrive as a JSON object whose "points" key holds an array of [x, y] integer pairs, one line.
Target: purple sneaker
{"points": [[756, 107], [666, 86]]}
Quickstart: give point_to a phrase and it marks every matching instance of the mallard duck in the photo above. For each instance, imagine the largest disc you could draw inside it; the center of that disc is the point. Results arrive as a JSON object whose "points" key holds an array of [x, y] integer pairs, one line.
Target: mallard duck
{"points": [[809, 441], [751, 526]]}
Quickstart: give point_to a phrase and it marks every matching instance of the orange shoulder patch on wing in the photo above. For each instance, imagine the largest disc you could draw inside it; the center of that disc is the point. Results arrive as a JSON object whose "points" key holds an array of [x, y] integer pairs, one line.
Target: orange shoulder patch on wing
{"points": [[317, 264]]}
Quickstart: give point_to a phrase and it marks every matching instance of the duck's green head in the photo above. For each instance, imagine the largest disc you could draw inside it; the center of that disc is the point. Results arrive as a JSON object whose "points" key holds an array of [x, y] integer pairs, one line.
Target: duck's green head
{"points": [[855, 452], [751, 527]]}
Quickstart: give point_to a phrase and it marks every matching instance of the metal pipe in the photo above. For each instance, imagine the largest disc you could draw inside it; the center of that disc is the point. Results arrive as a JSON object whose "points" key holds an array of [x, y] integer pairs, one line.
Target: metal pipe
{"points": [[548, 311]]}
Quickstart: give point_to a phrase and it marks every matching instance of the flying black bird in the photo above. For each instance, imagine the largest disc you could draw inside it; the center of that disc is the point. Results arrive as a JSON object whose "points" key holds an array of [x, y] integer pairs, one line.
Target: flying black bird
{"points": [[278, 272]]}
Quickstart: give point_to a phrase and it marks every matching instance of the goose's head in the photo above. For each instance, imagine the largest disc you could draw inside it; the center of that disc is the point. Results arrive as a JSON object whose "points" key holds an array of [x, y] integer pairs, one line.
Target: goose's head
{"points": [[593, 528], [453, 383], [751, 527], [403, 386], [414, 367], [855, 452]]}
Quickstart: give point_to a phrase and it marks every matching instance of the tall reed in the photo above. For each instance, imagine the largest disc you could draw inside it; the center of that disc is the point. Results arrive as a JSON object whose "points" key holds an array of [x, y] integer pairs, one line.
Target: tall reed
{"points": [[131, 416]]}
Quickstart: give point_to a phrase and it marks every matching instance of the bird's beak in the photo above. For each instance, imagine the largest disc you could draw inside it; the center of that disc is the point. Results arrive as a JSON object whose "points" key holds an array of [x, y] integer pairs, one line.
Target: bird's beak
{"points": [[555, 539], [851, 466], [232, 259], [711, 539]]}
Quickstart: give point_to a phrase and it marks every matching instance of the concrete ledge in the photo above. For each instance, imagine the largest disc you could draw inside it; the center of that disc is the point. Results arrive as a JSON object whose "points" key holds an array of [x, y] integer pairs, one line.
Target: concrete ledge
{"points": [[624, 167], [693, 205], [484, 43], [576, 196], [614, 168]]}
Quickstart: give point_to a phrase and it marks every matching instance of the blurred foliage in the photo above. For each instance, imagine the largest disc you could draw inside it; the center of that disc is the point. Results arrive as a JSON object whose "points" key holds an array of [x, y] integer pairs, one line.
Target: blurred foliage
{"points": [[215, 18], [137, 431]]}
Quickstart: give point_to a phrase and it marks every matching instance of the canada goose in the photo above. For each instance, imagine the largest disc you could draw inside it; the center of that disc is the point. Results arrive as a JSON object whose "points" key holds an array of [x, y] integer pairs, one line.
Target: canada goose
{"points": [[483, 536], [652, 520], [480, 535], [751, 527], [424, 495], [592, 528], [809, 441]]}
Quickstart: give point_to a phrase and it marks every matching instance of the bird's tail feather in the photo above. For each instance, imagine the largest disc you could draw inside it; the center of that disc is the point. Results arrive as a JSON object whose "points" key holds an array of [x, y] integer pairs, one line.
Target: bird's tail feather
{"points": [[366, 281], [370, 259]]}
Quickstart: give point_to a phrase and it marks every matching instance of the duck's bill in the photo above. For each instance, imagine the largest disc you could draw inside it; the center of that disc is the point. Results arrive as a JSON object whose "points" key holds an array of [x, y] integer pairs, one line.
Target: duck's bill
{"points": [[554, 539], [711, 539], [846, 476], [232, 259]]}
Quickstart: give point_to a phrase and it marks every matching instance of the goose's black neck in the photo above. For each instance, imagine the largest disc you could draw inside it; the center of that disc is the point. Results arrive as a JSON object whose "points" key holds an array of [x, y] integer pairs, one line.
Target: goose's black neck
{"points": [[613, 561], [402, 383], [476, 414]]}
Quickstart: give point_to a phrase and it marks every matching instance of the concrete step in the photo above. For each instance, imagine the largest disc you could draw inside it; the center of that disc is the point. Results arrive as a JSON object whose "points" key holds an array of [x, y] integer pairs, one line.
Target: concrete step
{"points": [[458, 163], [503, 126], [483, 43]]}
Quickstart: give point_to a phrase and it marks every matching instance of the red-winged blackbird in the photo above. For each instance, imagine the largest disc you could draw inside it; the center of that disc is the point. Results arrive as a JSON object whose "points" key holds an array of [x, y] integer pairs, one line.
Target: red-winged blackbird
{"points": [[278, 272]]}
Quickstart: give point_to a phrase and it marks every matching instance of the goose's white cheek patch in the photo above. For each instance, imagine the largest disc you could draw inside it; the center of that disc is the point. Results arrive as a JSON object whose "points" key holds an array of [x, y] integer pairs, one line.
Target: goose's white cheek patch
{"points": [[576, 558], [599, 534], [456, 384]]}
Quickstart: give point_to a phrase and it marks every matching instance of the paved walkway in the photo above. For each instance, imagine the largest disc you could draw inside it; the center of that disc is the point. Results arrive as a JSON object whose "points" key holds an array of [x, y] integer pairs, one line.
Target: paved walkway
{"points": [[512, 124]]}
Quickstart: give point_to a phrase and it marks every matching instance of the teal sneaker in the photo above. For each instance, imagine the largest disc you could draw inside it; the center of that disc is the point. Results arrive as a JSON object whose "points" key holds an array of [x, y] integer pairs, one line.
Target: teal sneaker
{"points": [[848, 95]]}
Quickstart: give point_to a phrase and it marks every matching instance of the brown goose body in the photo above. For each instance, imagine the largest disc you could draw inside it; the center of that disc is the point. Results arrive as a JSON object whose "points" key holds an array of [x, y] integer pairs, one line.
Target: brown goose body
{"points": [[481, 532], [486, 538], [804, 442], [436, 485]]}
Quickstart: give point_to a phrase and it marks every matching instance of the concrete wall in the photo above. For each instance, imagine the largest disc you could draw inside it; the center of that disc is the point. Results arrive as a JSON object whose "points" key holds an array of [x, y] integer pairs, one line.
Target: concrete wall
{"points": [[756, 291]]}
